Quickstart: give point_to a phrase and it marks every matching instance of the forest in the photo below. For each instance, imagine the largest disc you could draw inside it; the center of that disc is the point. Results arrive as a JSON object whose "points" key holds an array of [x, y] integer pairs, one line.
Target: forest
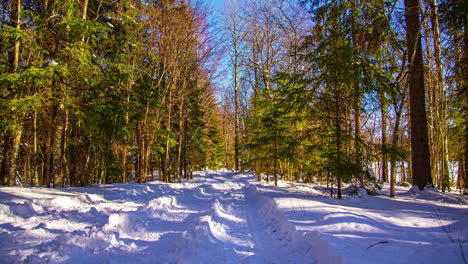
{"points": [[115, 91], [234, 131]]}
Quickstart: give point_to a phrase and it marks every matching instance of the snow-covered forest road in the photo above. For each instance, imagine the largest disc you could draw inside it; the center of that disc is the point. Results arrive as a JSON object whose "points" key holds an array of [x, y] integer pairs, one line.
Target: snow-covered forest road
{"points": [[224, 217]]}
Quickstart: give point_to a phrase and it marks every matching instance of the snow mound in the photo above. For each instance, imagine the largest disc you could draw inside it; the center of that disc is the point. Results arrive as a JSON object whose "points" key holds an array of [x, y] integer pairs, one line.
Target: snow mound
{"points": [[355, 191], [362, 192], [119, 222], [433, 194], [23, 210]]}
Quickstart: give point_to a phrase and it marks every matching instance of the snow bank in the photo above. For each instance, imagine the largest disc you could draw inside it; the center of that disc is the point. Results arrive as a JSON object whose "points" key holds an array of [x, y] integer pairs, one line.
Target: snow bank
{"points": [[428, 227]]}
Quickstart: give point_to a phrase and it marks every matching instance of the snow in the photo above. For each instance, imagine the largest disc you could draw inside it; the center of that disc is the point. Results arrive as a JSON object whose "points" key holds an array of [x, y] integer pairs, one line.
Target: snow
{"points": [[225, 217]]}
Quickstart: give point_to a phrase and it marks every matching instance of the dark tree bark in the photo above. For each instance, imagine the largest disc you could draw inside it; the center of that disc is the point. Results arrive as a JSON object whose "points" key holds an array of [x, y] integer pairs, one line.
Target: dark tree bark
{"points": [[338, 169], [465, 87], [50, 145], [5, 170], [420, 156], [276, 160], [383, 109]]}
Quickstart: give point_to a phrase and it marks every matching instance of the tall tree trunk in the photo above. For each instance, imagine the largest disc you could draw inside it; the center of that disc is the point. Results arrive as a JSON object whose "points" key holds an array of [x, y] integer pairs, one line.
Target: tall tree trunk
{"points": [[179, 148], [141, 168], [186, 146], [35, 158], [235, 42], [441, 102], [275, 161], [357, 131], [16, 17], [123, 159], [403, 171], [395, 139], [461, 172], [338, 135], [11, 163], [236, 113], [464, 7], [167, 173], [356, 100], [5, 170], [60, 146], [419, 133], [225, 135], [49, 145], [383, 109], [139, 158]]}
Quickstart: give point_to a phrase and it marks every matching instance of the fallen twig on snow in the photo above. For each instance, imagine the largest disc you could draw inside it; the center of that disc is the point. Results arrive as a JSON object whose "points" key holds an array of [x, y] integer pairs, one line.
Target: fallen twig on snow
{"points": [[375, 244]]}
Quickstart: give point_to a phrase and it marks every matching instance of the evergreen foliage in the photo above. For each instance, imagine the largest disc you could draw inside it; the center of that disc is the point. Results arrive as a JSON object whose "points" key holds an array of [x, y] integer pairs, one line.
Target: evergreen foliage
{"points": [[95, 83]]}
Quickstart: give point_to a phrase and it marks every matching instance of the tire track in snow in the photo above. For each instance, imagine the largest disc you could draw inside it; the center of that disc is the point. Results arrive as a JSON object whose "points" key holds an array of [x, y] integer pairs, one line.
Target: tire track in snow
{"points": [[221, 235], [272, 233], [243, 226]]}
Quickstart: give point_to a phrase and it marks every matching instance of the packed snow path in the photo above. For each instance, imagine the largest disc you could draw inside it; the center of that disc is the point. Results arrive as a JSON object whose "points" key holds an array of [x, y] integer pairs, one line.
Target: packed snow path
{"points": [[224, 217]]}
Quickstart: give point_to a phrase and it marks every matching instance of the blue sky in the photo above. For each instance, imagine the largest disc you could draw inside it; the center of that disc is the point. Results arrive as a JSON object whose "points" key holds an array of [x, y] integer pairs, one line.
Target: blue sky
{"points": [[216, 4], [215, 13]]}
